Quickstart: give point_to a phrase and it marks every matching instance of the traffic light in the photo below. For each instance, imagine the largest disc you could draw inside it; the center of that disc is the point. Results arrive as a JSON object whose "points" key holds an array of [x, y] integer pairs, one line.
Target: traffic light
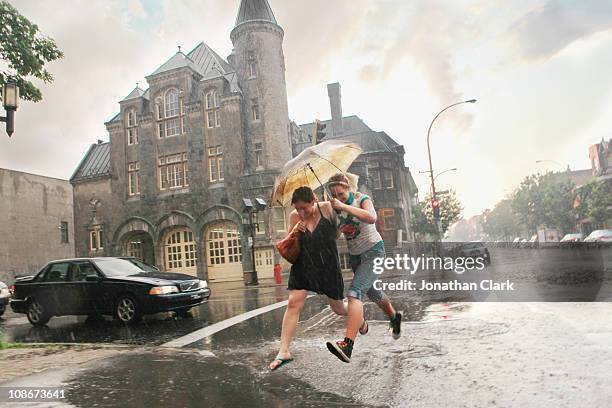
{"points": [[318, 133], [435, 205]]}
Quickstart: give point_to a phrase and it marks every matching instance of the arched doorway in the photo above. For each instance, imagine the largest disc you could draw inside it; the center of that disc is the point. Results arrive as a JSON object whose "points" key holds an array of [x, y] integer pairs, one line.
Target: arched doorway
{"points": [[180, 251], [223, 251], [139, 245]]}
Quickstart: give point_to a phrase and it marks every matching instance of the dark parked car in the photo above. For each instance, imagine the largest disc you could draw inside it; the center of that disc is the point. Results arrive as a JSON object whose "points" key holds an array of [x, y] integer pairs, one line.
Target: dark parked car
{"points": [[474, 250], [4, 297], [104, 286]]}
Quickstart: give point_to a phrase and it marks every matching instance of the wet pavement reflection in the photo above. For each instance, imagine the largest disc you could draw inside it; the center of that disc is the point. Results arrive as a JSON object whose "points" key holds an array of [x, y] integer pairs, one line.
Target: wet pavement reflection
{"points": [[188, 380], [153, 330]]}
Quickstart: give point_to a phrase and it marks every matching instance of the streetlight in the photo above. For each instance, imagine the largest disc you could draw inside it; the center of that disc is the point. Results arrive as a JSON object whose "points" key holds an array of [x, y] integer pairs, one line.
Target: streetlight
{"points": [[431, 172], [251, 207], [445, 171], [427, 172], [10, 100]]}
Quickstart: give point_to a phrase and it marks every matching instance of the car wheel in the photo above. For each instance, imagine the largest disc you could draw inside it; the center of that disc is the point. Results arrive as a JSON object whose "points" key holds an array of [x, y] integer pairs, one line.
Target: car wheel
{"points": [[184, 312], [2, 310], [37, 313], [127, 310]]}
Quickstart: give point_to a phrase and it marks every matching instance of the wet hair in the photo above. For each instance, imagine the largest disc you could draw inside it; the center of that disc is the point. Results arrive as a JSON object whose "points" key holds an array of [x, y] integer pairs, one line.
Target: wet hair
{"points": [[338, 179], [303, 194]]}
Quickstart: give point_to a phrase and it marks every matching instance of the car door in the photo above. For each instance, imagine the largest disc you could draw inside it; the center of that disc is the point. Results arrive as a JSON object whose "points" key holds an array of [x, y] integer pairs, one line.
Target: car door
{"points": [[81, 287], [91, 288], [52, 290]]}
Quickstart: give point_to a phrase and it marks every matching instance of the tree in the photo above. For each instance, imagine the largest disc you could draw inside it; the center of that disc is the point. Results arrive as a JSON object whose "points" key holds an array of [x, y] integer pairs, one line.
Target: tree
{"points": [[26, 52], [594, 200], [501, 223], [450, 212], [545, 200]]}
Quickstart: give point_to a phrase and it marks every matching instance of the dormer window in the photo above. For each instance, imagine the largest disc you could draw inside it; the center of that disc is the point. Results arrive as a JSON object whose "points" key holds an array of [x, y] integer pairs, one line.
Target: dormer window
{"points": [[170, 114]]}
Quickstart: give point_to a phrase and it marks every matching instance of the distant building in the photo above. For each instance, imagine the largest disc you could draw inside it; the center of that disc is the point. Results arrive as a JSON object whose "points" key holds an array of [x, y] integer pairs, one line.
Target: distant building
{"points": [[204, 134], [600, 155], [37, 225]]}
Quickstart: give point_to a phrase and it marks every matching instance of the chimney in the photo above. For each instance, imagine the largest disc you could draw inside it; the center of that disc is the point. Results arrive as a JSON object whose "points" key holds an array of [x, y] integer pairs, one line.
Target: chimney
{"points": [[335, 103]]}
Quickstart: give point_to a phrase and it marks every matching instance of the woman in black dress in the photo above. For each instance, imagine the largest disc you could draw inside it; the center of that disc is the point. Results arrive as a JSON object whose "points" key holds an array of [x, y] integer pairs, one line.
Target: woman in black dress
{"points": [[317, 268]]}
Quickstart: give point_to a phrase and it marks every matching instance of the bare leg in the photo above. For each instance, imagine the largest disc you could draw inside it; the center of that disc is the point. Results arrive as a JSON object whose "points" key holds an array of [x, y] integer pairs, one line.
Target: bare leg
{"points": [[355, 317], [338, 306], [290, 320], [386, 306]]}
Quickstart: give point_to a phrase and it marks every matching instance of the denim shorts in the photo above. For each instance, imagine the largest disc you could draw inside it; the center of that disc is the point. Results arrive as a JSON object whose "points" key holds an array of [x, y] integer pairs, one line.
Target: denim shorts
{"points": [[363, 268]]}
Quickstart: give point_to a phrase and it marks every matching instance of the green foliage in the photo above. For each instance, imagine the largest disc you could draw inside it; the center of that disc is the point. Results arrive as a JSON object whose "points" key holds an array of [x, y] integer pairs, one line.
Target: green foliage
{"points": [[594, 201], [450, 212], [25, 51], [545, 200], [501, 222]]}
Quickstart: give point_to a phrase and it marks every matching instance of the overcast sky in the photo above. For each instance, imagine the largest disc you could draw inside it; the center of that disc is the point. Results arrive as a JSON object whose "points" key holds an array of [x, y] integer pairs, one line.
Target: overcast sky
{"points": [[539, 69]]}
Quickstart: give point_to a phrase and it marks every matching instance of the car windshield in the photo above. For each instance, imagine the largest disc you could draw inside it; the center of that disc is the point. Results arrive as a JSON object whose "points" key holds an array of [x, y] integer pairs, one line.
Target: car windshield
{"points": [[117, 267], [145, 267]]}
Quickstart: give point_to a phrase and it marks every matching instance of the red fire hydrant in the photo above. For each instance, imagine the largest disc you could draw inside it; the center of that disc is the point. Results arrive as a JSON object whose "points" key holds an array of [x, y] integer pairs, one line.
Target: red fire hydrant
{"points": [[277, 273]]}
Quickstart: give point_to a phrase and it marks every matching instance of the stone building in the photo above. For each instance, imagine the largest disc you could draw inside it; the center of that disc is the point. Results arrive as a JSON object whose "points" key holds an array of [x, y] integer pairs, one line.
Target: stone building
{"points": [[37, 225], [183, 153]]}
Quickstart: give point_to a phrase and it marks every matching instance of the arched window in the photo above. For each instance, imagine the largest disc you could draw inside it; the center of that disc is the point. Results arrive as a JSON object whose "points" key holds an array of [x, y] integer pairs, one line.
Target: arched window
{"points": [[169, 114], [171, 103]]}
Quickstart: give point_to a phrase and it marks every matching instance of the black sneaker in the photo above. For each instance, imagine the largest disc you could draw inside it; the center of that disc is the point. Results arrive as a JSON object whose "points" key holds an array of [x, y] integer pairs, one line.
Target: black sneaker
{"points": [[341, 349], [395, 325]]}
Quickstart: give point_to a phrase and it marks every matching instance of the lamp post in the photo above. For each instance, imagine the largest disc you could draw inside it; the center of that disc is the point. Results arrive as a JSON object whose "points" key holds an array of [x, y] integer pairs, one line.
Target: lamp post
{"points": [[431, 172], [10, 100], [251, 208]]}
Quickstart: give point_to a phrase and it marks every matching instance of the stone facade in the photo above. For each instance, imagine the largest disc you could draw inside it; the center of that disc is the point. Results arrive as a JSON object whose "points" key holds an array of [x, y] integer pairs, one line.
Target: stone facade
{"points": [[38, 222], [182, 155]]}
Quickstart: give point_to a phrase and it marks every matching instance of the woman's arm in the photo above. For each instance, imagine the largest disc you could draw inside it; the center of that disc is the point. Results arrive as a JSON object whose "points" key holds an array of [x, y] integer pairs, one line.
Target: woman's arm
{"points": [[295, 224], [367, 212]]}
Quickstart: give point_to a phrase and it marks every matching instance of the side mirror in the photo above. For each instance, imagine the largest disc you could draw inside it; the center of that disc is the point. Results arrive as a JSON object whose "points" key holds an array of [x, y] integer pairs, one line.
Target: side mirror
{"points": [[93, 278]]}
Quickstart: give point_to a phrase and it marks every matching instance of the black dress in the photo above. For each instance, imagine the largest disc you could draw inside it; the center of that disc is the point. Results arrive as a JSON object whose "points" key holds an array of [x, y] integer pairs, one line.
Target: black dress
{"points": [[318, 267]]}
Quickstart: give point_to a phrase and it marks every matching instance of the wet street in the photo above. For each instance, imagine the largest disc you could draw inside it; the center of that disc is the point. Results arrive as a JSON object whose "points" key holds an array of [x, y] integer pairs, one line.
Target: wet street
{"points": [[456, 349]]}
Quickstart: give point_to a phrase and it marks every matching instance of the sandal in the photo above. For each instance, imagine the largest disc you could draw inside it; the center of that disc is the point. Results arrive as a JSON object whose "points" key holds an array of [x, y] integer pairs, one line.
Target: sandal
{"points": [[279, 362], [364, 327]]}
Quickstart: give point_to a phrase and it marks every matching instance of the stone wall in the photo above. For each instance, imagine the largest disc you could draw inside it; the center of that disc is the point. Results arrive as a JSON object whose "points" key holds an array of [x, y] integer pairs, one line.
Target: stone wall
{"points": [[33, 208]]}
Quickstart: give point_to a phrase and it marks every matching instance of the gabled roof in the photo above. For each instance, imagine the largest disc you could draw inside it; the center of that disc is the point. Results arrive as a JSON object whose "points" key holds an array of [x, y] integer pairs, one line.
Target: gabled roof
{"points": [[203, 60], [350, 124], [254, 10], [354, 130], [136, 93], [96, 163], [178, 60], [208, 61]]}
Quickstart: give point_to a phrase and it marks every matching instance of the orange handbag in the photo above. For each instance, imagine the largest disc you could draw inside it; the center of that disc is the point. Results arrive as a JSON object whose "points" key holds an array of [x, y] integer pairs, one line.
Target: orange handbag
{"points": [[289, 248]]}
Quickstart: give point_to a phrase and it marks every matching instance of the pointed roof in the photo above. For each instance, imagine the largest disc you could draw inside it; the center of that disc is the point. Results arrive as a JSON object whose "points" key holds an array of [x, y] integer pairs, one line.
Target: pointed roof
{"points": [[255, 10], [96, 163], [206, 59], [178, 60], [136, 93]]}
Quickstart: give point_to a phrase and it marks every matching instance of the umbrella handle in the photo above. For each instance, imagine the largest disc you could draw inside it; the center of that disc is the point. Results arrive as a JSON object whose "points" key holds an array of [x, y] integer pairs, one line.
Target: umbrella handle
{"points": [[317, 177]]}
